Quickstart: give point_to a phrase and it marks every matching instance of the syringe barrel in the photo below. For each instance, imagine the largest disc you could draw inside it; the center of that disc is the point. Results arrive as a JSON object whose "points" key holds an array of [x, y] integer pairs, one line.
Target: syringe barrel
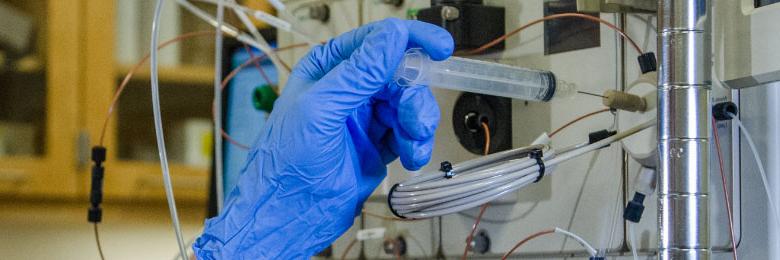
{"points": [[475, 76]]}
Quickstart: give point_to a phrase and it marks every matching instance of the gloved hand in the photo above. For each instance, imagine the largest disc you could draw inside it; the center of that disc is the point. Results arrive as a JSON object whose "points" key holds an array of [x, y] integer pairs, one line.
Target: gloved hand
{"points": [[325, 147]]}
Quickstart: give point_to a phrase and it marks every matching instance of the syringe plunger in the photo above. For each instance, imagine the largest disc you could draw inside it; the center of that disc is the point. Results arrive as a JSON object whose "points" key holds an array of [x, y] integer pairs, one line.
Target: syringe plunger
{"points": [[481, 77]]}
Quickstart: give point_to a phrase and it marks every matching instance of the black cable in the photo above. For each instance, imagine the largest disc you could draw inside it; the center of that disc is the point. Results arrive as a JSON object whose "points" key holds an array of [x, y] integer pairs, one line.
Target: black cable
{"points": [[590, 94], [97, 241], [95, 212]]}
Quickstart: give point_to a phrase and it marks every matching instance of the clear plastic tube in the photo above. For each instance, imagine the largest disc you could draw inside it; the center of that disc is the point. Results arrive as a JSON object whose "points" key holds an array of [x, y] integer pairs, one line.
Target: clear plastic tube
{"points": [[417, 68], [632, 240], [218, 160], [579, 240], [770, 197], [159, 130], [232, 31], [270, 19]]}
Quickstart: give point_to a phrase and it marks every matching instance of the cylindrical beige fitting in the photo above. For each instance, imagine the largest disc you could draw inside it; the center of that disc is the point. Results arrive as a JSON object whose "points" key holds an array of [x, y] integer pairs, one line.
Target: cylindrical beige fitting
{"points": [[623, 101]]}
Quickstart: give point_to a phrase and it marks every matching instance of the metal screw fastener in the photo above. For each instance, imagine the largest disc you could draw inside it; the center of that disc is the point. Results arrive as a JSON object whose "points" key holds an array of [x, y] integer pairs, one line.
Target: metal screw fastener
{"points": [[449, 13]]}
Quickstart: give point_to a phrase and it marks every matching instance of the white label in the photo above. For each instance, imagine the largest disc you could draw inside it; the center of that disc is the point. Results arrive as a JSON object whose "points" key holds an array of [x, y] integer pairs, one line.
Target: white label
{"points": [[371, 233]]}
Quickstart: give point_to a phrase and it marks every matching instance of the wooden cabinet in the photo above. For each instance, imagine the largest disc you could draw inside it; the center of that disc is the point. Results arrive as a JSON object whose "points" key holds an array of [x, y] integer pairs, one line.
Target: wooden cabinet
{"points": [[39, 92], [52, 114], [132, 169]]}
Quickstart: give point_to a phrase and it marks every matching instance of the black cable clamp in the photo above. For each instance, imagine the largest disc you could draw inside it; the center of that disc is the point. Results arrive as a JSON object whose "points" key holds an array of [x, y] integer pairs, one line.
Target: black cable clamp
{"points": [[647, 62], [95, 213], [389, 204], [538, 154], [446, 167]]}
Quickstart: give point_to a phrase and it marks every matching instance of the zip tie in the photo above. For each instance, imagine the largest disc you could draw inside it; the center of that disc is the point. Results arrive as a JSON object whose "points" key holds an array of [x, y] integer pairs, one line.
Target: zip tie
{"points": [[538, 154], [446, 167]]}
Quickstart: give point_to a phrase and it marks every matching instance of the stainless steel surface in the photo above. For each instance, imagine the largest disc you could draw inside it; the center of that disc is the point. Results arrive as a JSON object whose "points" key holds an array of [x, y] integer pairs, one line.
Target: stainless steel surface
{"points": [[684, 82], [679, 112], [753, 80], [678, 58]]}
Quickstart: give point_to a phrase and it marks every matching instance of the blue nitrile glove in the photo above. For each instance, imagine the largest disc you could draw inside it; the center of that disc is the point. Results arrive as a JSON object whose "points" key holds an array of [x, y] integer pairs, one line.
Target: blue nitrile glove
{"points": [[324, 149]]}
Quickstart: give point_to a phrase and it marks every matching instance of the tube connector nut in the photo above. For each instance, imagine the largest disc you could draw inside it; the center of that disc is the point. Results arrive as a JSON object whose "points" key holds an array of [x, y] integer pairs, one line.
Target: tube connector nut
{"points": [[623, 101], [647, 62], [724, 110], [635, 208]]}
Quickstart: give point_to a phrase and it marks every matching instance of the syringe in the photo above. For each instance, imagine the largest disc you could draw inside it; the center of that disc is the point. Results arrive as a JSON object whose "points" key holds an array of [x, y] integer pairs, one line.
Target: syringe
{"points": [[480, 77]]}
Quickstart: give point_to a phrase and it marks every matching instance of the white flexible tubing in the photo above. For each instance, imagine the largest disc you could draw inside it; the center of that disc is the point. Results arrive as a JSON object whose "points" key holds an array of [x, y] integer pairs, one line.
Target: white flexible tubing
{"points": [[632, 240], [467, 165], [410, 207], [516, 172], [486, 196], [467, 203], [218, 160], [490, 175], [278, 5], [481, 169], [246, 21], [600, 144], [466, 189], [450, 206], [232, 31], [470, 202], [228, 29], [270, 19], [463, 205], [577, 238], [495, 171], [267, 49], [761, 170], [159, 130], [401, 196]]}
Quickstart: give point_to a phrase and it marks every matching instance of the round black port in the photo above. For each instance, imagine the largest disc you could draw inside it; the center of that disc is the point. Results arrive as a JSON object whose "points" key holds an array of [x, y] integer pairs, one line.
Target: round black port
{"points": [[474, 121], [395, 246], [724, 110], [471, 110]]}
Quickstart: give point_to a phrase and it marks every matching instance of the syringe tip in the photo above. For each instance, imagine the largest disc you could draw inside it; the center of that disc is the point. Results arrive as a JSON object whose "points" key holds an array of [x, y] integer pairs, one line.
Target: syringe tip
{"points": [[412, 69]]}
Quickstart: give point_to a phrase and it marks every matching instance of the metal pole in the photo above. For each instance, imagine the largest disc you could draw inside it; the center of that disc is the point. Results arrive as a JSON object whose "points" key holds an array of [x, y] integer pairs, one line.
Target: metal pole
{"points": [[683, 129]]}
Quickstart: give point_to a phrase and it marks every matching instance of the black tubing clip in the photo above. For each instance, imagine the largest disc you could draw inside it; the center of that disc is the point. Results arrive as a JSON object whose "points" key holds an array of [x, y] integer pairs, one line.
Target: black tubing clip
{"points": [[446, 167], [389, 204], [537, 154]]}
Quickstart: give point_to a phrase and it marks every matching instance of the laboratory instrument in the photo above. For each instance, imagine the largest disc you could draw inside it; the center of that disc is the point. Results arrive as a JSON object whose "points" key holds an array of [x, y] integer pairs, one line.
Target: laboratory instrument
{"points": [[476, 76]]}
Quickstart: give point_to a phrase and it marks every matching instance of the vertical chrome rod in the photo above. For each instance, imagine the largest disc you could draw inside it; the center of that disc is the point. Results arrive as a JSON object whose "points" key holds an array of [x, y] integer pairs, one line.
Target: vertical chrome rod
{"points": [[683, 129]]}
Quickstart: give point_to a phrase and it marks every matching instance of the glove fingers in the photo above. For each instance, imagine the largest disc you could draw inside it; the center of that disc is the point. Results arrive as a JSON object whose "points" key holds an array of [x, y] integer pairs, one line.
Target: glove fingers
{"points": [[370, 66], [414, 154], [323, 58], [378, 132], [436, 42], [414, 109], [352, 82], [418, 112]]}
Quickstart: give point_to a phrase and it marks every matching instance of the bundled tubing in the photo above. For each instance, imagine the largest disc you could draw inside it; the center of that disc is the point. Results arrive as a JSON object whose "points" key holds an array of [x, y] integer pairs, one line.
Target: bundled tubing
{"points": [[472, 183]]}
